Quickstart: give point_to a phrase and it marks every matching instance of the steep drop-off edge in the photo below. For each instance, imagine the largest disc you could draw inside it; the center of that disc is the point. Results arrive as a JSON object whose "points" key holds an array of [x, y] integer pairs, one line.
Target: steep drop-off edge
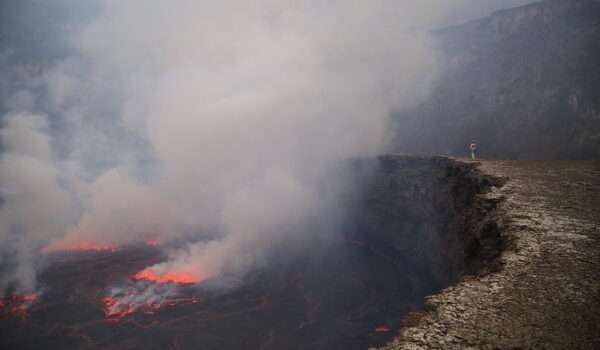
{"points": [[531, 276], [431, 215], [430, 212]]}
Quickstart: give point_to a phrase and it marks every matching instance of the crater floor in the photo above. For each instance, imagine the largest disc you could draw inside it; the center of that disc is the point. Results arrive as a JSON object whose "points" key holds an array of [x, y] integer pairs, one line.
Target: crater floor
{"points": [[546, 293]]}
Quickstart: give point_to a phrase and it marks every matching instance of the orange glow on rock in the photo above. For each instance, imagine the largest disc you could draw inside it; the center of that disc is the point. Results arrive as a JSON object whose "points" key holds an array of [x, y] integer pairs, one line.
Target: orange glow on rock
{"points": [[17, 305], [169, 277], [116, 309], [127, 302], [77, 246], [382, 329], [153, 242]]}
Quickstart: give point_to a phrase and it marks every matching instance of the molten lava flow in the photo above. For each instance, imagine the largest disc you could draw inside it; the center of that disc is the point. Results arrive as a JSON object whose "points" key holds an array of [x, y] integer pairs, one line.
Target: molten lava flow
{"points": [[169, 277], [378, 329], [143, 297], [268, 342], [116, 309], [76, 246], [148, 294], [153, 242], [17, 305]]}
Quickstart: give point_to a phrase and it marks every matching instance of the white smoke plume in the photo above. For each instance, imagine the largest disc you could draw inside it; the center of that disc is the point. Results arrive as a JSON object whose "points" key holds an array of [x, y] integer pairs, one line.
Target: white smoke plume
{"points": [[221, 123], [35, 206]]}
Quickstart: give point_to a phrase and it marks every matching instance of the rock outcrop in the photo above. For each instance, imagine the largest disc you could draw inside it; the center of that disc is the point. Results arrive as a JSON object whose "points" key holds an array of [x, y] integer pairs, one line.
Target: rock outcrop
{"points": [[427, 212], [544, 294]]}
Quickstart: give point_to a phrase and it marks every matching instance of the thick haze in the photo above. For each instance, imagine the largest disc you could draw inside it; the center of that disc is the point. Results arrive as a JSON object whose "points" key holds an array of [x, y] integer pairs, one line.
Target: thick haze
{"points": [[469, 10], [221, 124]]}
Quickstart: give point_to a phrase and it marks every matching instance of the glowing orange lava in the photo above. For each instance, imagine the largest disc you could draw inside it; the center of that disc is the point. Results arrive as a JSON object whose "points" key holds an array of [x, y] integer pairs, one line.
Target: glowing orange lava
{"points": [[153, 242], [169, 277], [17, 305], [382, 329], [118, 306], [77, 246], [116, 309]]}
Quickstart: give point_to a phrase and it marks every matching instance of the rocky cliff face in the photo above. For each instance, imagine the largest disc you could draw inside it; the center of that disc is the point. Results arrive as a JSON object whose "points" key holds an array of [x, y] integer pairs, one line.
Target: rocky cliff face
{"points": [[523, 83], [545, 293], [428, 215]]}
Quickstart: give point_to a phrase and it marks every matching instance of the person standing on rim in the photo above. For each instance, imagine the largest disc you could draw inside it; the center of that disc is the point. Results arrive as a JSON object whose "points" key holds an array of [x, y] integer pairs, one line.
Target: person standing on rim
{"points": [[473, 149]]}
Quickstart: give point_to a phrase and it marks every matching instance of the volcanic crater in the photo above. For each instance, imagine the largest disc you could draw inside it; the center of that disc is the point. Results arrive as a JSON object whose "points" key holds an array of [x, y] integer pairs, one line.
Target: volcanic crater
{"points": [[418, 224]]}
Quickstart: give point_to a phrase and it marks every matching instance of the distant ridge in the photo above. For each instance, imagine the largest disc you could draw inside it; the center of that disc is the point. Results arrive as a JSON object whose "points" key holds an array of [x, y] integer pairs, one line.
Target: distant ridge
{"points": [[524, 83]]}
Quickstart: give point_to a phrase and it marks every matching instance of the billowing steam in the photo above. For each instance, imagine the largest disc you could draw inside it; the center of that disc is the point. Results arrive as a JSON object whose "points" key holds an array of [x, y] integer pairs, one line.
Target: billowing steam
{"points": [[218, 123]]}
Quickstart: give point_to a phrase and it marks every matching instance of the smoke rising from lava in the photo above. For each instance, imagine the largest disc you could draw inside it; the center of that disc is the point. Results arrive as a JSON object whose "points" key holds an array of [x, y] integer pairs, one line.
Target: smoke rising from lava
{"points": [[222, 124]]}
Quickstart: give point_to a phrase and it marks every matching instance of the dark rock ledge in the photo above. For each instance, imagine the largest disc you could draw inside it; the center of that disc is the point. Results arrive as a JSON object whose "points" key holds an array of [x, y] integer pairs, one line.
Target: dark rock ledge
{"points": [[543, 290]]}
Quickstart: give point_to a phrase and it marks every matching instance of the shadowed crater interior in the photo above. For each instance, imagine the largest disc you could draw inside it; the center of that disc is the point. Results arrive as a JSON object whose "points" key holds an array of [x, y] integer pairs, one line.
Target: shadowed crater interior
{"points": [[416, 226]]}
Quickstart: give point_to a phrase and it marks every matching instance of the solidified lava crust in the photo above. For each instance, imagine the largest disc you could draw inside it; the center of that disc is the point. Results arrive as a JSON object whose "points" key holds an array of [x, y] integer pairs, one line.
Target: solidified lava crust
{"points": [[93, 300], [405, 239]]}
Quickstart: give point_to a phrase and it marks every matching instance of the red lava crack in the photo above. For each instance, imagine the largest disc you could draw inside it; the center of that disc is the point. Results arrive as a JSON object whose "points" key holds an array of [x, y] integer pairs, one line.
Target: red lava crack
{"points": [[269, 341]]}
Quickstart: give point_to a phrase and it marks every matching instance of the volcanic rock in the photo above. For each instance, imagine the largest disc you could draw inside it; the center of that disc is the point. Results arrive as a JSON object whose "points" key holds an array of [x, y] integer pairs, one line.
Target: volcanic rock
{"points": [[523, 83], [545, 293]]}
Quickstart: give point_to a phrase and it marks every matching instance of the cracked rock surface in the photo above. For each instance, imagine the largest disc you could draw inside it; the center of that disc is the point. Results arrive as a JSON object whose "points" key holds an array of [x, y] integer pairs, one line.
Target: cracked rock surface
{"points": [[546, 292]]}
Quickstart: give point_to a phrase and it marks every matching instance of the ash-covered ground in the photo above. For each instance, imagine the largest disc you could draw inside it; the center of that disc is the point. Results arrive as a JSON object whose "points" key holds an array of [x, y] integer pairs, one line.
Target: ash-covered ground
{"points": [[545, 293]]}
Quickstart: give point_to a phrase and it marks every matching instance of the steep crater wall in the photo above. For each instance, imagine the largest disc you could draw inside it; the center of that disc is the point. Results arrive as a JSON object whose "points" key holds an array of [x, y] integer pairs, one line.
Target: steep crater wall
{"points": [[523, 83], [428, 214], [416, 225]]}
